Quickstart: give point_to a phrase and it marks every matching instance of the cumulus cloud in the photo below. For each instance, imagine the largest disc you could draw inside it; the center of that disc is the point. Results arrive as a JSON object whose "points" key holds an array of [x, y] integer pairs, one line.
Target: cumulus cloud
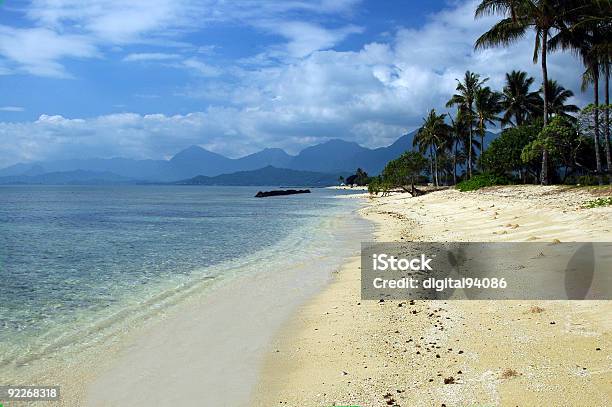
{"points": [[371, 95], [305, 38], [62, 29], [37, 50]]}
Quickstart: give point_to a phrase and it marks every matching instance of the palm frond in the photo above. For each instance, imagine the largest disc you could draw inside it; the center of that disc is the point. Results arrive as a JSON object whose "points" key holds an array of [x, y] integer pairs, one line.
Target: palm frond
{"points": [[504, 33]]}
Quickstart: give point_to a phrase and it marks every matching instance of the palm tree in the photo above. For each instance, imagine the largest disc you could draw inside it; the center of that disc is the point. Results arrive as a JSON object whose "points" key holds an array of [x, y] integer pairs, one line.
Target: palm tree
{"points": [[459, 128], [464, 100], [487, 105], [606, 69], [518, 101], [543, 16], [432, 136], [557, 97], [583, 36]]}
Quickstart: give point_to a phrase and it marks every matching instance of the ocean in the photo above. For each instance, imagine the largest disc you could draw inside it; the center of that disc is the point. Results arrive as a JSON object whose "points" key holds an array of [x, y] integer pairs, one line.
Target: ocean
{"points": [[80, 263]]}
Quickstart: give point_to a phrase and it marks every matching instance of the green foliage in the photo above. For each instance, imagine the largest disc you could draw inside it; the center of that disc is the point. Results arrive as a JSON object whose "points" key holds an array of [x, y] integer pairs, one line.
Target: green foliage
{"points": [[374, 186], [403, 170], [378, 185], [589, 180], [553, 137], [481, 181], [607, 201], [519, 102], [359, 178], [503, 157]]}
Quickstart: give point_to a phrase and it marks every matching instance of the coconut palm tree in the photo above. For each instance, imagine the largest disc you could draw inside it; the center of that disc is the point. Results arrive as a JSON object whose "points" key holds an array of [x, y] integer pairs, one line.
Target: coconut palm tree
{"points": [[520, 16], [518, 102], [487, 105], [606, 72], [557, 97], [464, 100], [459, 129], [583, 36], [432, 136]]}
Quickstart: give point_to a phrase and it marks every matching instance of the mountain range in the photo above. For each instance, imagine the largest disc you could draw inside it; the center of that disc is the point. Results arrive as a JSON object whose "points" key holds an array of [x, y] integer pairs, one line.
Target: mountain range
{"points": [[333, 157], [268, 175]]}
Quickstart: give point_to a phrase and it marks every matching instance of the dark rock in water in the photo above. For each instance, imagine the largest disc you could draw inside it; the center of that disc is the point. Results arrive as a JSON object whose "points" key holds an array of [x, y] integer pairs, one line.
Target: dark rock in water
{"points": [[265, 194]]}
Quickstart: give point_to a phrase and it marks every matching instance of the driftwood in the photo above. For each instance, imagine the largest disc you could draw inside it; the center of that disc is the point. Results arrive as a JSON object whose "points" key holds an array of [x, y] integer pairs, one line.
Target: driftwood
{"points": [[264, 194], [414, 191]]}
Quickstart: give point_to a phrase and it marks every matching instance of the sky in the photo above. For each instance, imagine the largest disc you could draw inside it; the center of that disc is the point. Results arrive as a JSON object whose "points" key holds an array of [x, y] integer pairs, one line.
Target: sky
{"points": [[147, 78]]}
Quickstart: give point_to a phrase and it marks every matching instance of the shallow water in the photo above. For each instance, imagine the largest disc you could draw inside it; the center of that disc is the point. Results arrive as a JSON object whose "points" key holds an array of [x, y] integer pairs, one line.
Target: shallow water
{"points": [[78, 262]]}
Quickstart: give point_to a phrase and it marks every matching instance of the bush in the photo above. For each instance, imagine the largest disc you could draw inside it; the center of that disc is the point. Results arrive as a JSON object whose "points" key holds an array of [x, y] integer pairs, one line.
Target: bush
{"points": [[599, 202], [587, 180], [481, 181]]}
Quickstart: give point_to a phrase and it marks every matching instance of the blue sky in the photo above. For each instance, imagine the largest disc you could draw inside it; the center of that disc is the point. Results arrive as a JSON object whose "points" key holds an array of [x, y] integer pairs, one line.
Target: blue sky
{"points": [[146, 78]]}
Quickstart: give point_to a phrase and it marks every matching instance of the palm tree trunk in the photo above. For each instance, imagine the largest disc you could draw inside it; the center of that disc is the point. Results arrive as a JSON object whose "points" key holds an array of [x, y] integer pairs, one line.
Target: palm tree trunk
{"points": [[607, 129], [470, 149], [482, 134], [436, 164], [544, 174], [455, 165], [596, 135], [431, 171]]}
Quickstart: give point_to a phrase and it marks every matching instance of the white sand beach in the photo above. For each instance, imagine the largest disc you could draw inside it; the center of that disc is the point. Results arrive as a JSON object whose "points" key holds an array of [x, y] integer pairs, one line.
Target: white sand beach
{"points": [[340, 350]]}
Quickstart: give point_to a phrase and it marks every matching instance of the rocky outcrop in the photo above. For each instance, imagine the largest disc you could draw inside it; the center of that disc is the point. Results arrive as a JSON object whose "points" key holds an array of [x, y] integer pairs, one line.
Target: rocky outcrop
{"points": [[264, 194]]}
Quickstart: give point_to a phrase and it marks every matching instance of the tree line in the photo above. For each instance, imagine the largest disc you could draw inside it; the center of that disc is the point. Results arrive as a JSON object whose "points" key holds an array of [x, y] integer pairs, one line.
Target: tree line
{"points": [[544, 138]]}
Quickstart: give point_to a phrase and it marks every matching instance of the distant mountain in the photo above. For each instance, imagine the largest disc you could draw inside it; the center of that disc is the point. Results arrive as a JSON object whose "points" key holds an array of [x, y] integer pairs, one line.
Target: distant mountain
{"points": [[373, 161], [195, 160], [333, 156], [78, 177], [275, 157], [125, 167], [269, 175], [339, 155]]}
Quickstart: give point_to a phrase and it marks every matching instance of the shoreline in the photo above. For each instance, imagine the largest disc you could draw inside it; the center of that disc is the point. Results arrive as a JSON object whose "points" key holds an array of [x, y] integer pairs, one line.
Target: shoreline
{"points": [[208, 347], [340, 350]]}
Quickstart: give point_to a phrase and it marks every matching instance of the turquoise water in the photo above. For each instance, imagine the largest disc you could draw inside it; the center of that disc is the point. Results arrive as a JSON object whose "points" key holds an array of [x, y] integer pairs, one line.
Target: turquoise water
{"points": [[76, 261]]}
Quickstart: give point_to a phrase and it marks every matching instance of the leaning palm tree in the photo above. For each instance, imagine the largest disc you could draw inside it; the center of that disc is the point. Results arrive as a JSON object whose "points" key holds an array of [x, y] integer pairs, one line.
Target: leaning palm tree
{"points": [[464, 100], [432, 136], [487, 105], [518, 102], [541, 16]]}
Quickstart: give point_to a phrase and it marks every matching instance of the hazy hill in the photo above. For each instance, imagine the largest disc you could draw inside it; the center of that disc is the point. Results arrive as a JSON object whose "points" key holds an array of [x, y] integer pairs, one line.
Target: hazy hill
{"points": [[333, 156], [266, 176], [77, 177]]}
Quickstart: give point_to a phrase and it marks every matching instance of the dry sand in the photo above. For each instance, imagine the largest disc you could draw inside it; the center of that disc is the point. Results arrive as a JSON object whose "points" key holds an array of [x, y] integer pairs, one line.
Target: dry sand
{"points": [[340, 350]]}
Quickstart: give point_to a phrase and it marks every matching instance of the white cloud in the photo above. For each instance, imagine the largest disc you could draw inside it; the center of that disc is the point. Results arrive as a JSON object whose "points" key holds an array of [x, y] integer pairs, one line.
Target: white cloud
{"points": [[150, 56], [372, 95], [305, 38], [11, 109], [62, 29], [200, 67], [37, 50]]}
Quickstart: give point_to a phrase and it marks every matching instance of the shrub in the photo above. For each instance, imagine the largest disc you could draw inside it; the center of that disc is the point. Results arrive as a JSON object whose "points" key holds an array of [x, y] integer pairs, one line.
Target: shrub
{"points": [[599, 202], [481, 181], [586, 180]]}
